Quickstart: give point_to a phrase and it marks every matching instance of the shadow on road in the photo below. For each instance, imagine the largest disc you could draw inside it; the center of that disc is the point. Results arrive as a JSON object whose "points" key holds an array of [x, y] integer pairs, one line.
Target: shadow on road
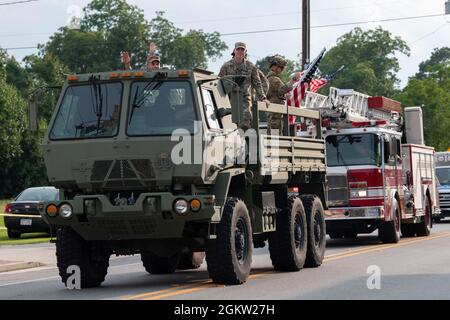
{"points": [[361, 240]]}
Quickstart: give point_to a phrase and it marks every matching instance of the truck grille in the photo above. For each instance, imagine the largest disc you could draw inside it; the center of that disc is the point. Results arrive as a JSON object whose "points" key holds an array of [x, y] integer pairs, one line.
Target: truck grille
{"points": [[116, 228], [337, 190], [122, 173]]}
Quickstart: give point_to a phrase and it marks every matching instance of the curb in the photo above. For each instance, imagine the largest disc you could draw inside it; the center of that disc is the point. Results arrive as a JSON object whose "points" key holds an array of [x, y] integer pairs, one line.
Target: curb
{"points": [[14, 266]]}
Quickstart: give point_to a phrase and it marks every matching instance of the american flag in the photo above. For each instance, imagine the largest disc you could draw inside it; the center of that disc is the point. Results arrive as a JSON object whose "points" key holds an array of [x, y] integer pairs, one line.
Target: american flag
{"points": [[299, 91]]}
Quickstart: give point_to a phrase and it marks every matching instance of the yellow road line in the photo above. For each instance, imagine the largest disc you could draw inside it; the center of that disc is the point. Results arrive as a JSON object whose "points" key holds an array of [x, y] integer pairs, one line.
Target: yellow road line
{"points": [[177, 287], [383, 247], [203, 285]]}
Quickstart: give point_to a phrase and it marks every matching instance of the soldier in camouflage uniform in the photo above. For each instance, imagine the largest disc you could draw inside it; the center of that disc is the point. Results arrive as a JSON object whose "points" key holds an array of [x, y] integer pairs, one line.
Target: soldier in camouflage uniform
{"points": [[277, 92], [240, 66]]}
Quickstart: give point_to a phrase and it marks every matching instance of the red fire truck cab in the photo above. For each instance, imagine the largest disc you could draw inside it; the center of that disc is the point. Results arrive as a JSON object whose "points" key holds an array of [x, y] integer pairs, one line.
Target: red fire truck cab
{"points": [[380, 173]]}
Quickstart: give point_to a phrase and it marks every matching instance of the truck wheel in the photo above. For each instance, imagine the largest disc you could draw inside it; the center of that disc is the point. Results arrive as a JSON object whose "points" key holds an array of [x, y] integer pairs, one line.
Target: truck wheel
{"points": [[288, 245], [14, 234], [229, 257], [72, 250], [155, 264], [423, 229], [191, 260], [408, 230], [315, 219], [389, 232]]}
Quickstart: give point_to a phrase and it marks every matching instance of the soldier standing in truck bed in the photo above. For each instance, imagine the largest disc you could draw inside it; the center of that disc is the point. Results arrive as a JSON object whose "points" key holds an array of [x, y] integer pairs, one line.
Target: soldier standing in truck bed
{"points": [[240, 66], [277, 92]]}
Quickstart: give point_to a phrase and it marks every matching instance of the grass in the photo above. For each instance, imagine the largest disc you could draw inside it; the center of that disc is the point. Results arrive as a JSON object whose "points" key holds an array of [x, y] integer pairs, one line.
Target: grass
{"points": [[28, 238]]}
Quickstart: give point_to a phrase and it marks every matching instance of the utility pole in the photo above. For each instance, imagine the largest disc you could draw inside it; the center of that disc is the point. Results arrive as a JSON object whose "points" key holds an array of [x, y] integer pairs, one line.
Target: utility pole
{"points": [[306, 31]]}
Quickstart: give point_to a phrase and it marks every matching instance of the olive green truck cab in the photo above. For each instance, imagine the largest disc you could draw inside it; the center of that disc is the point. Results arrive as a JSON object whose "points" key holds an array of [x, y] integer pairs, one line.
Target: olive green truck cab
{"points": [[153, 163]]}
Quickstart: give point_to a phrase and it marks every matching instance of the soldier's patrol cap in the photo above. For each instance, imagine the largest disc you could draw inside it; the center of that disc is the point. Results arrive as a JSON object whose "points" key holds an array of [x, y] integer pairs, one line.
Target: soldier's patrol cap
{"points": [[152, 58], [240, 45], [278, 60]]}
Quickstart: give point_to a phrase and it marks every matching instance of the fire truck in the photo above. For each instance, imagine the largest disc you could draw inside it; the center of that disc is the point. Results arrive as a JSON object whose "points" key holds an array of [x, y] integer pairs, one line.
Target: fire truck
{"points": [[380, 173]]}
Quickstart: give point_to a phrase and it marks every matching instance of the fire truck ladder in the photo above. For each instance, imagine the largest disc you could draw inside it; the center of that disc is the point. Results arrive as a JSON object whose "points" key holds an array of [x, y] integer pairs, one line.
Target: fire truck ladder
{"points": [[342, 105]]}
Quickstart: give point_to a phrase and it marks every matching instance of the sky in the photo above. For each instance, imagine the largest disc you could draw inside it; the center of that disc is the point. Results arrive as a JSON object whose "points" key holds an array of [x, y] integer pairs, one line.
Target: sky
{"points": [[27, 24]]}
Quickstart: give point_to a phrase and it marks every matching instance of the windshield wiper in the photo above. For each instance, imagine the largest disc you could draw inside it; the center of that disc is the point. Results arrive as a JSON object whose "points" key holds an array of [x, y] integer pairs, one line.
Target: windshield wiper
{"points": [[139, 99], [98, 96]]}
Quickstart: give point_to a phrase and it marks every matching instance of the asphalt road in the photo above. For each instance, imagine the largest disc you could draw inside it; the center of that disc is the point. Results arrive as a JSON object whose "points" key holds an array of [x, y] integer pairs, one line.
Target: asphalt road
{"points": [[416, 268]]}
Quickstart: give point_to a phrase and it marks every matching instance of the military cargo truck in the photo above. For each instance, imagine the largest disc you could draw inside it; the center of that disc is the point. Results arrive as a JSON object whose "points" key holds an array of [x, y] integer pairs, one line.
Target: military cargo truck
{"points": [[153, 163]]}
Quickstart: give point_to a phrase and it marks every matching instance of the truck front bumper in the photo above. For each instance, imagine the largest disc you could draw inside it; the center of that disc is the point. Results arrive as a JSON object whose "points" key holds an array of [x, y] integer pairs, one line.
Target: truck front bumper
{"points": [[355, 213], [151, 217]]}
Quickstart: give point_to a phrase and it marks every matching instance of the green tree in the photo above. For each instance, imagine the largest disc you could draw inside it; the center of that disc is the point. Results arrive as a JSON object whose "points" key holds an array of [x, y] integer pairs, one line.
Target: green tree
{"points": [[191, 50], [430, 88], [370, 60], [112, 26]]}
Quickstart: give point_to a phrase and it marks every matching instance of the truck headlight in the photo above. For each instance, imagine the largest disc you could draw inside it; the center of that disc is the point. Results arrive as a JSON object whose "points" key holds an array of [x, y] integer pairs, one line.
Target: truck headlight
{"points": [[181, 206], [65, 211]]}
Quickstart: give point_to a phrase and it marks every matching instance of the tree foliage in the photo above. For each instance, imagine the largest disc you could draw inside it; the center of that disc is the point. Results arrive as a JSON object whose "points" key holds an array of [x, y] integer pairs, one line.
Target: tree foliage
{"points": [[112, 26], [370, 60], [191, 50], [430, 88]]}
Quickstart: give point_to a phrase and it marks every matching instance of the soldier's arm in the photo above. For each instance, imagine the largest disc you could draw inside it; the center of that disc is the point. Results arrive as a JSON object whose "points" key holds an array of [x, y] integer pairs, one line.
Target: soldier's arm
{"points": [[257, 85], [223, 71], [284, 88]]}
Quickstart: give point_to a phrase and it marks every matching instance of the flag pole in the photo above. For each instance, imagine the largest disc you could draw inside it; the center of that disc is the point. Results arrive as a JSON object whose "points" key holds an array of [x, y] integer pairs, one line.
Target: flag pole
{"points": [[306, 32]]}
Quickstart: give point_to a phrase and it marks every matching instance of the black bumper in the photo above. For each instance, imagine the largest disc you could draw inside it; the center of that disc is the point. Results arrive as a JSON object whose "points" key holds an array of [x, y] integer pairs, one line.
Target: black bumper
{"points": [[37, 225]]}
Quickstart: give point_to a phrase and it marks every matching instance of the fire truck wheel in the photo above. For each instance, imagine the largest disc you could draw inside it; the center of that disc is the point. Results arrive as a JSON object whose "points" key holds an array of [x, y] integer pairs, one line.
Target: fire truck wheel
{"points": [[229, 257], [191, 260], [72, 250], [389, 232], [288, 245], [155, 264], [315, 219], [423, 229]]}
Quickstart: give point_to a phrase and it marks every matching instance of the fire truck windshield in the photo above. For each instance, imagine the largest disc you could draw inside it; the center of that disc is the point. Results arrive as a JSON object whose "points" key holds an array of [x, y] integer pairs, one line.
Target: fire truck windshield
{"points": [[353, 150], [443, 175]]}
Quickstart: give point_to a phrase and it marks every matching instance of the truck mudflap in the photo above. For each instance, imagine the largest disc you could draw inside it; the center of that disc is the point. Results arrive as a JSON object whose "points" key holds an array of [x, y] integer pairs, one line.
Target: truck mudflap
{"points": [[152, 216], [355, 213]]}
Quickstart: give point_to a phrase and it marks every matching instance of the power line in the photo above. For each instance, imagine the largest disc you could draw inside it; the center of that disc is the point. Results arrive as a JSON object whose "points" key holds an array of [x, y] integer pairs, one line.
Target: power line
{"points": [[334, 25], [299, 28], [16, 2], [282, 13]]}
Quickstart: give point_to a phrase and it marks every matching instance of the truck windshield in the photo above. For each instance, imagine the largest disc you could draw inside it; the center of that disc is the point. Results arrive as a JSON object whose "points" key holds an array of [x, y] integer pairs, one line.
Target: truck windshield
{"points": [[443, 175], [353, 150], [160, 107], [88, 111]]}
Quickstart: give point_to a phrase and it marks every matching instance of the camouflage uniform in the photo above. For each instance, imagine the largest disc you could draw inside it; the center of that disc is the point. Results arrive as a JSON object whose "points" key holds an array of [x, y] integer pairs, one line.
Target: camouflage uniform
{"points": [[276, 94], [252, 80]]}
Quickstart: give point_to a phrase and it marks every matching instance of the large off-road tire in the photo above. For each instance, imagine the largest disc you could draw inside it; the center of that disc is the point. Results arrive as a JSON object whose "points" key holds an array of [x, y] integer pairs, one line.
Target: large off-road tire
{"points": [[288, 245], [229, 257], [389, 232], [155, 264], [423, 228], [317, 234], [72, 250], [14, 234], [191, 260]]}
